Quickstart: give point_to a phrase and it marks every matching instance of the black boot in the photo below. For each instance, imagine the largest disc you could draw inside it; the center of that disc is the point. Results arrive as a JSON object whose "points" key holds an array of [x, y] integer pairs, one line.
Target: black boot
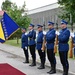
{"points": [[33, 63], [53, 69], [65, 71], [27, 60], [50, 70], [42, 66]]}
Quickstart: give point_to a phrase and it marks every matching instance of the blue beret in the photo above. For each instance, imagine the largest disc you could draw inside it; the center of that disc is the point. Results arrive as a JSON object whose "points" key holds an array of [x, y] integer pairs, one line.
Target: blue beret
{"points": [[50, 23], [64, 22], [31, 25], [39, 25]]}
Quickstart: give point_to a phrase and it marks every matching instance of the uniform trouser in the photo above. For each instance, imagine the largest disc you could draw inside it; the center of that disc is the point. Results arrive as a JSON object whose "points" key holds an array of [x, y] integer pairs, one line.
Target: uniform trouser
{"points": [[26, 53], [74, 51], [51, 57], [64, 59], [33, 52], [42, 56]]}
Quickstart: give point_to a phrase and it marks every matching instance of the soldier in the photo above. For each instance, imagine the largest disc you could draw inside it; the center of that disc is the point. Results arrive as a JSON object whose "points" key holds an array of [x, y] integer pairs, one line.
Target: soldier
{"points": [[63, 38], [39, 46], [74, 43], [50, 39], [24, 41], [73, 36], [32, 44]]}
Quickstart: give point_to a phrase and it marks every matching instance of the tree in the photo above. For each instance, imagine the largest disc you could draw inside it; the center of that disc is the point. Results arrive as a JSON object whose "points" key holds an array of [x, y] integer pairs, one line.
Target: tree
{"points": [[68, 7], [19, 15], [6, 5]]}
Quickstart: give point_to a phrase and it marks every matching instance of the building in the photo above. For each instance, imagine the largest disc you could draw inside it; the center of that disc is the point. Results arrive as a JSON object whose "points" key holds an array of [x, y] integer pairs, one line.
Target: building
{"points": [[44, 14]]}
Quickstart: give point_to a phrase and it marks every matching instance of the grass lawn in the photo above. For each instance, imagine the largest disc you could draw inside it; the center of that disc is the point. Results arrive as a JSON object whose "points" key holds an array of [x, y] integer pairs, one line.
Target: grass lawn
{"points": [[13, 43]]}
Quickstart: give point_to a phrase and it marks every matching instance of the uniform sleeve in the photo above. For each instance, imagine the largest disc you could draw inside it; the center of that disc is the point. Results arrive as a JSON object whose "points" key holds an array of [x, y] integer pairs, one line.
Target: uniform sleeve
{"points": [[24, 38], [42, 36], [34, 35], [51, 36], [65, 36], [30, 34]]}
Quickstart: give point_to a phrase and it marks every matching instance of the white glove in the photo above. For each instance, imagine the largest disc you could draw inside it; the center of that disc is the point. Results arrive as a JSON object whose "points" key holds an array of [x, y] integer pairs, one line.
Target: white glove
{"points": [[72, 34], [42, 51], [25, 48], [57, 33], [44, 32], [26, 33], [36, 35]]}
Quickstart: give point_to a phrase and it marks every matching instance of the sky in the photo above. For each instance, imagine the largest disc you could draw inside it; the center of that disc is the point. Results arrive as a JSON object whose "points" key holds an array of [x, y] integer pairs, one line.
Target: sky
{"points": [[32, 4]]}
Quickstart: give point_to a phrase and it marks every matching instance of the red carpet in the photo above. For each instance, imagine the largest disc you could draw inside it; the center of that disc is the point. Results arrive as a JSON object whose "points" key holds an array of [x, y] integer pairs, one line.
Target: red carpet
{"points": [[6, 69]]}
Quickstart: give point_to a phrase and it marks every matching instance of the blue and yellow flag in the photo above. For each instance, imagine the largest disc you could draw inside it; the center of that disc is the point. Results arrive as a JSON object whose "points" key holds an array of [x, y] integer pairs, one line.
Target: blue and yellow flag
{"points": [[2, 37], [7, 27]]}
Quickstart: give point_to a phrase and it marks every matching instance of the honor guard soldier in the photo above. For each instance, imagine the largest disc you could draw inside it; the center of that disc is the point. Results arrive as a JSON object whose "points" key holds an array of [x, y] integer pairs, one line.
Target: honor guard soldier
{"points": [[73, 36], [74, 43], [24, 43], [50, 39], [63, 47], [39, 42], [32, 44]]}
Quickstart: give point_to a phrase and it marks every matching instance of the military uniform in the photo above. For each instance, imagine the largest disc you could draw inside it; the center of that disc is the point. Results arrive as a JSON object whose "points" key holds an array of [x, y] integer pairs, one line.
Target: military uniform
{"points": [[32, 44], [74, 43], [39, 46], [50, 39], [24, 43], [63, 47]]}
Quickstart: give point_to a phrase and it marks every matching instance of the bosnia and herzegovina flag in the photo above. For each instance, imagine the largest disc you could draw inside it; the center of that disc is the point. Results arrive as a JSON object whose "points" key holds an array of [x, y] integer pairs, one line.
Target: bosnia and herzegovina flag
{"points": [[2, 37], [7, 27]]}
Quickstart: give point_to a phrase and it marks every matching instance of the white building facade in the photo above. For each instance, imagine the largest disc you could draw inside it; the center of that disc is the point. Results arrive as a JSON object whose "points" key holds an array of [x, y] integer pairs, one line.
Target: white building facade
{"points": [[44, 14]]}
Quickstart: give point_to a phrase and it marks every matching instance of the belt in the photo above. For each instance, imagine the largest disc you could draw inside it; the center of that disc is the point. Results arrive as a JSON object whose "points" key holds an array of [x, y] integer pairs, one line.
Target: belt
{"points": [[24, 41], [39, 42], [31, 39], [63, 43], [50, 42]]}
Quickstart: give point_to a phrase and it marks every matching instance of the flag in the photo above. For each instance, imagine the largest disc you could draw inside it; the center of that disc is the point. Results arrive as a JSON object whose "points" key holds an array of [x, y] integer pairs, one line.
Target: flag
{"points": [[2, 37], [7, 28], [1, 32]]}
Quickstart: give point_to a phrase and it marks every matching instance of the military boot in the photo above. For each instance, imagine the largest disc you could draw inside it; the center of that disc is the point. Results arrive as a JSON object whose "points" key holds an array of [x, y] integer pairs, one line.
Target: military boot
{"points": [[50, 70], [65, 71], [42, 66], [53, 69], [27, 60], [33, 63]]}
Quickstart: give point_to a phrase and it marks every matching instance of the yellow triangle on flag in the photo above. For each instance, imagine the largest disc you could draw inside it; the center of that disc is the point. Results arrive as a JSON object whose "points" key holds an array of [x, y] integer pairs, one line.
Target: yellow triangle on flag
{"points": [[1, 32]]}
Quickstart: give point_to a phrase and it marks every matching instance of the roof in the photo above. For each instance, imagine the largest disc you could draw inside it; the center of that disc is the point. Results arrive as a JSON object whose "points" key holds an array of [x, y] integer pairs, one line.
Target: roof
{"points": [[43, 8]]}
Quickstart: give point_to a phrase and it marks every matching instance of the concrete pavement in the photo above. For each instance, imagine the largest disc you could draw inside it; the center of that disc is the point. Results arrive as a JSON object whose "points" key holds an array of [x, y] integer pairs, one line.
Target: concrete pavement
{"points": [[19, 52], [17, 63]]}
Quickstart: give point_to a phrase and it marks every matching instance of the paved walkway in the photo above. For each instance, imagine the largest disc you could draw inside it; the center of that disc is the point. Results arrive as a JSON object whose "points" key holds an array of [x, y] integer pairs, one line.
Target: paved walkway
{"points": [[17, 63], [19, 52]]}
